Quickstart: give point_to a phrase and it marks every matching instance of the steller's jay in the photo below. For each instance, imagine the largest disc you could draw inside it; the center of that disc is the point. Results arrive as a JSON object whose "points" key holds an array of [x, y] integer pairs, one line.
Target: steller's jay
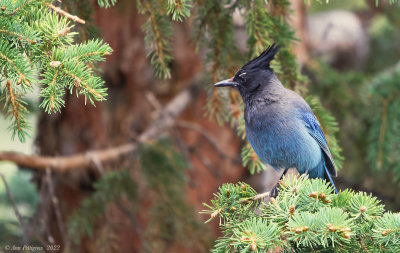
{"points": [[280, 125]]}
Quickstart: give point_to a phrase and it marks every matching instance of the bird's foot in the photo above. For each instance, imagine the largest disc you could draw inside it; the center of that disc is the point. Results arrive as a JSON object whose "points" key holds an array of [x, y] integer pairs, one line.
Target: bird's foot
{"points": [[275, 191]]}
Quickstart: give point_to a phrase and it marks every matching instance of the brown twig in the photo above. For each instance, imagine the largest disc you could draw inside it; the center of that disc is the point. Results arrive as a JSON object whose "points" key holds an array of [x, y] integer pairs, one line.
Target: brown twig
{"points": [[165, 120], [66, 14], [55, 202], [382, 131]]}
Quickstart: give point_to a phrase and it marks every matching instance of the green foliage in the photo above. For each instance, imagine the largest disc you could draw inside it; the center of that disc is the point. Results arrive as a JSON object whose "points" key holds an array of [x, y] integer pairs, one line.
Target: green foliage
{"points": [[306, 216], [158, 33], [111, 188], [106, 3], [179, 9], [390, 1], [36, 41]]}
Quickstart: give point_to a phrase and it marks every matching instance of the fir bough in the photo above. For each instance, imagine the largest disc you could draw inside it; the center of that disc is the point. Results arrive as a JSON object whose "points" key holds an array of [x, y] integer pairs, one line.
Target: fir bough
{"points": [[306, 216], [37, 47]]}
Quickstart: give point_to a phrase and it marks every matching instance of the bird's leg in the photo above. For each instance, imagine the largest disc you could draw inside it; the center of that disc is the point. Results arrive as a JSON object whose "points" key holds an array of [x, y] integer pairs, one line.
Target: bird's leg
{"points": [[275, 190], [306, 172]]}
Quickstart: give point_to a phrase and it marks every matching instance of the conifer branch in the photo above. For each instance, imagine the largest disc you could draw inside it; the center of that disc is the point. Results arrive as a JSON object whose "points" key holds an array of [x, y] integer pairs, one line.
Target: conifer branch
{"points": [[38, 40], [157, 38], [19, 35], [14, 104], [22, 77], [21, 7], [179, 9], [306, 216]]}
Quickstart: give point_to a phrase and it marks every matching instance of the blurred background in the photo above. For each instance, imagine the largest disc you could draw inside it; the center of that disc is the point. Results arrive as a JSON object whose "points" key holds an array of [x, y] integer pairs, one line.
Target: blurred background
{"points": [[348, 51]]}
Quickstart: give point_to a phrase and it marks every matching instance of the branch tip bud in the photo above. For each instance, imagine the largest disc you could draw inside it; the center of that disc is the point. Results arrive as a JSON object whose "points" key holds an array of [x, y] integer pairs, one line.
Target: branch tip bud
{"points": [[313, 195], [215, 213], [292, 208]]}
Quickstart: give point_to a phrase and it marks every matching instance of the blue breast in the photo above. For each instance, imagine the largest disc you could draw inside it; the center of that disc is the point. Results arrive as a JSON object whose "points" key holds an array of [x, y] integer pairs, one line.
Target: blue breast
{"points": [[282, 141]]}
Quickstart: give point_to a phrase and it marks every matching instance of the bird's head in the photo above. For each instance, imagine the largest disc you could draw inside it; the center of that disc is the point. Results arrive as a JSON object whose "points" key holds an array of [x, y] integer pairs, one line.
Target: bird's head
{"points": [[254, 75]]}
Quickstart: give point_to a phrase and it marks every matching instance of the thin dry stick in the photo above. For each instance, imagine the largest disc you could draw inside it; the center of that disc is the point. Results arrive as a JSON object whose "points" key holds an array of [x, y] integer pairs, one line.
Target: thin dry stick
{"points": [[66, 14], [25, 228], [260, 196], [12, 201], [55, 202]]}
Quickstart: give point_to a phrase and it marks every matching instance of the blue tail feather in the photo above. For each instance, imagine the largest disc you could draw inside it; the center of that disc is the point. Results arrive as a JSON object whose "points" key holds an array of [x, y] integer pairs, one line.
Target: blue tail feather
{"points": [[328, 177]]}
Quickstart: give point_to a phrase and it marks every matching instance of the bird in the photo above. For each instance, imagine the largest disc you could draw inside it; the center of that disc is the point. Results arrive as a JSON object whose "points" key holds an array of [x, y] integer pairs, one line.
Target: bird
{"points": [[279, 123]]}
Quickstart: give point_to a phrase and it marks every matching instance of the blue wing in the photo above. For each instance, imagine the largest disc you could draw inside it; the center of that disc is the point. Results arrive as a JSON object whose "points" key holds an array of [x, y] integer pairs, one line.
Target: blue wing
{"points": [[314, 129]]}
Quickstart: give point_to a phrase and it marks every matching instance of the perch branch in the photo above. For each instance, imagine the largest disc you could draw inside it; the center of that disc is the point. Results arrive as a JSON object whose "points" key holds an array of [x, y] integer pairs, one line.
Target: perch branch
{"points": [[165, 120]]}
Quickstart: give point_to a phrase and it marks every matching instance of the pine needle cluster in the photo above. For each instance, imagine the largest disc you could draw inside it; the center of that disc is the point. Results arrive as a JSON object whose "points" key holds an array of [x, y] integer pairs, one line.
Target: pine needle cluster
{"points": [[38, 48], [306, 216]]}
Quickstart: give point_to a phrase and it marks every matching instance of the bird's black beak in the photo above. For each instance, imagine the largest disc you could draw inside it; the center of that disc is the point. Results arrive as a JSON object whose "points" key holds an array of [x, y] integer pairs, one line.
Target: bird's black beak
{"points": [[227, 82]]}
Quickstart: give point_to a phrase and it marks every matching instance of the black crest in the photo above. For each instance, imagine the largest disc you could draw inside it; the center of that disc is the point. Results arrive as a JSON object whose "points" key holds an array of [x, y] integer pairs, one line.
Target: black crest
{"points": [[263, 60]]}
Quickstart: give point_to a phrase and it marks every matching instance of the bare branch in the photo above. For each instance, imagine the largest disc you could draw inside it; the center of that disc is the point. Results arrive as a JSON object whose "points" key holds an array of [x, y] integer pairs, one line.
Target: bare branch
{"points": [[66, 14], [165, 120]]}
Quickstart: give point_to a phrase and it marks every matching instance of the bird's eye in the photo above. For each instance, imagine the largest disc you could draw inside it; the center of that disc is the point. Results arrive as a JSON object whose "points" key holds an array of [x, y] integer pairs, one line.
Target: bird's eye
{"points": [[242, 76]]}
